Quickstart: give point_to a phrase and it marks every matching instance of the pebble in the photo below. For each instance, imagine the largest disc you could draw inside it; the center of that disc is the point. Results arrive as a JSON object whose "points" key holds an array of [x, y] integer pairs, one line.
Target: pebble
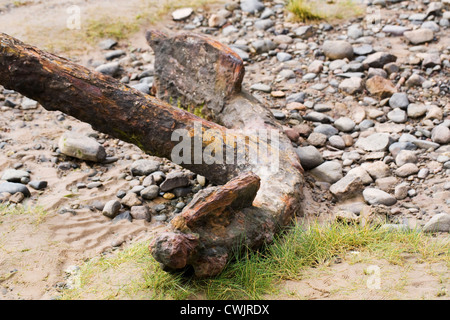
{"points": [[251, 6], [347, 187], [150, 192], [344, 124], [351, 85], [407, 170], [140, 213], [109, 69], [122, 216], [111, 209], [131, 199], [438, 223], [261, 87], [328, 171], [397, 115], [326, 129], [337, 49], [182, 14], [405, 156], [13, 175], [399, 100], [374, 142], [419, 36], [174, 180], [38, 184], [416, 110], [144, 167], [81, 147], [13, 187], [441, 134], [337, 142]]}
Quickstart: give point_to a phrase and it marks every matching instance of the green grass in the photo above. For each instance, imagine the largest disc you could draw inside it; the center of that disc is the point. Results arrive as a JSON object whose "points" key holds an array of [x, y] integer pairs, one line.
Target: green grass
{"points": [[252, 275], [307, 10]]}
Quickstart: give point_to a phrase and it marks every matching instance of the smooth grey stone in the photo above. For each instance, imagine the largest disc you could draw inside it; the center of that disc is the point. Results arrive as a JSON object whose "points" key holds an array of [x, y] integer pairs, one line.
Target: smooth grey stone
{"points": [[309, 157], [38, 184], [13, 187], [144, 167], [375, 196]]}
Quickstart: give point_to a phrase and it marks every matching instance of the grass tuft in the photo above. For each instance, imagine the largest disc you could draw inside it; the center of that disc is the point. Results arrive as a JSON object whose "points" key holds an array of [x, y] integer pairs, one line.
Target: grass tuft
{"points": [[254, 274]]}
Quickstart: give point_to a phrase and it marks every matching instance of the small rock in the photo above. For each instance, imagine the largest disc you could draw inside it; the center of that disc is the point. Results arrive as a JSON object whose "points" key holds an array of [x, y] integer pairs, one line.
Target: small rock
{"points": [[438, 223], [252, 6], [81, 147], [109, 69], [262, 45], [114, 54], [150, 192], [315, 67], [363, 50], [397, 115], [122, 216], [414, 80], [283, 56], [95, 184], [375, 196], [338, 49], [38, 184], [326, 129], [16, 197], [111, 209], [229, 30], [347, 187], [261, 87], [405, 156], [131, 199], [379, 59], [395, 30], [401, 191], [107, 44], [201, 180], [12, 188], [144, 167], [344, 124], [380, 87], [317, 139], [182, 14], [174, 180], [416, 110], [399, 100], [351, 85], [354, 31], [419, 36], [362, 174], [309, 156], [407, 170], [140, 213], [441, 134], [264, 24], [374, 142], [168, 196], [337, 142], [329, 171], [304, 32], [13, 175], [377, 169]]}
